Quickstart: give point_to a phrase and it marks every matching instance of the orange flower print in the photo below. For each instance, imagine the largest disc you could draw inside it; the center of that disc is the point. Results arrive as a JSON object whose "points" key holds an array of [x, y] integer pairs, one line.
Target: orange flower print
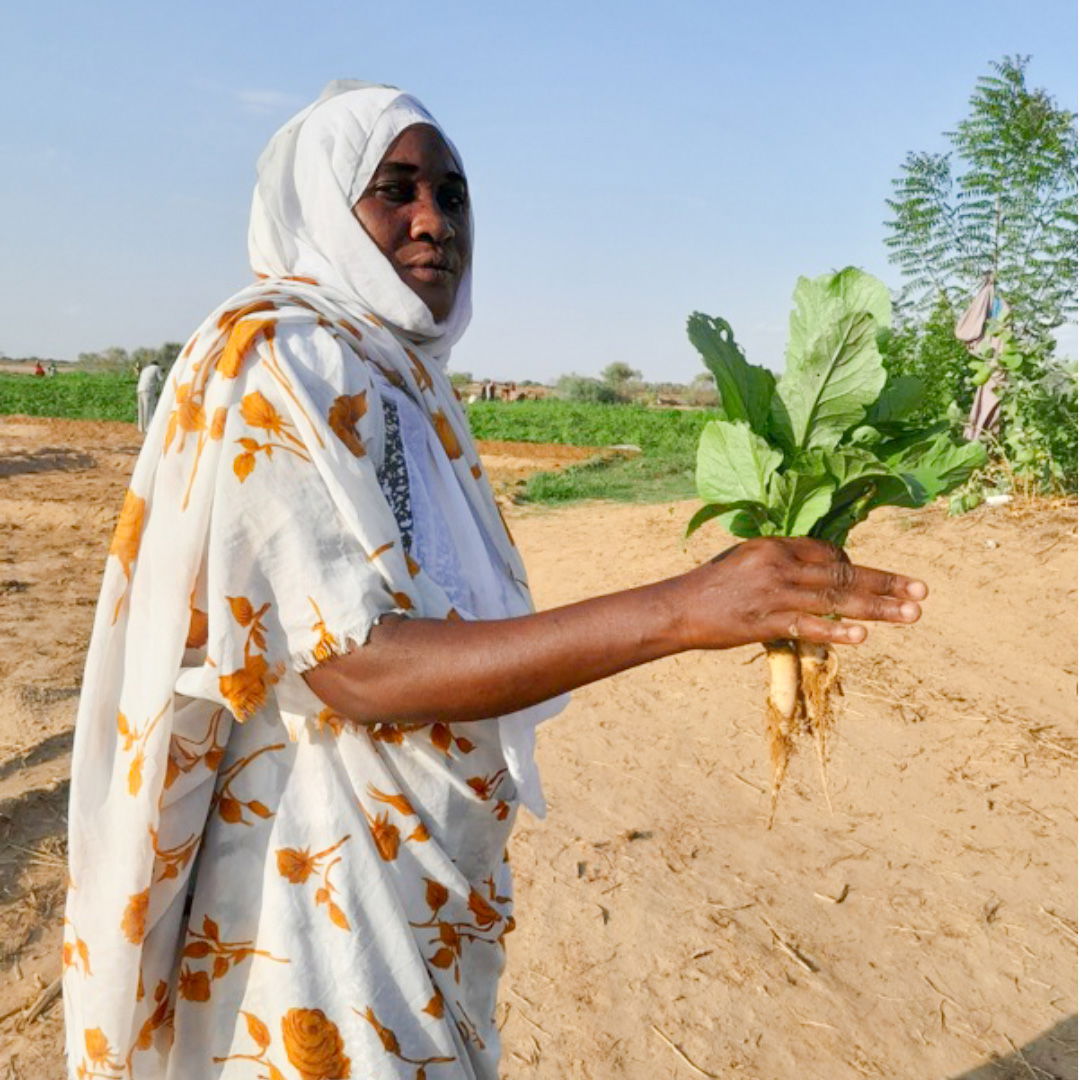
{"points": [[198, 627], [76, 954], [484, 914], [126, 538], [242, 337], [446, 434], [420, 373], [217, 425], [133, 923], [207, 945], [132, 737], [296, 865], [332, 721], [185, 753], [168, 862], [245, 689], [190, 415], [392, 1046], [403, 601], [342, 418], [194, 985], [327, 645], [443, 738], [162, 1017], [259, 413], [99, 1061], [314, 1045], [129, 525], [260, 1034], [227, 804], [386, 834]]}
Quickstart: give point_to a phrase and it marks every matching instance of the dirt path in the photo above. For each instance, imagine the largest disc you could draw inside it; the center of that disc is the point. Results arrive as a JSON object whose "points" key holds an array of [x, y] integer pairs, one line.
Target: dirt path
{"points": [[924, 927]]}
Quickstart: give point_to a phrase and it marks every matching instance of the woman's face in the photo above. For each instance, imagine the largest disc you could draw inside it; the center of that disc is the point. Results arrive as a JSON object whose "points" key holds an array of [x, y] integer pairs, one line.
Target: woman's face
{"points": [[416, 209]]}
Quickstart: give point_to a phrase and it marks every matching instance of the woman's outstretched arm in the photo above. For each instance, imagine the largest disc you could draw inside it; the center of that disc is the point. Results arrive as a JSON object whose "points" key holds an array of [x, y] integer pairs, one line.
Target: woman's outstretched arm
{"points": [[428, 670]]}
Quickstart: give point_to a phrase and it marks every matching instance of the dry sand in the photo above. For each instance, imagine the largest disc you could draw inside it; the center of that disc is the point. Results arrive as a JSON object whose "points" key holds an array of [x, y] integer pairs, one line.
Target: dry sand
{"points": [[925, 929]]}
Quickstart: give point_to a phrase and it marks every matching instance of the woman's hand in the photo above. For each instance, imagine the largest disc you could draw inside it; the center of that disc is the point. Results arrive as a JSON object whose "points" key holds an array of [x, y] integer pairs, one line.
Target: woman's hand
{"points": [[766, 589]]}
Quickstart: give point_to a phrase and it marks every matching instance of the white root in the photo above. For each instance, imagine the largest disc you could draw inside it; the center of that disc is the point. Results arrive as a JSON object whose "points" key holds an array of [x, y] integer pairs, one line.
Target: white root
{"points": [[803, 679], [783, 711]]}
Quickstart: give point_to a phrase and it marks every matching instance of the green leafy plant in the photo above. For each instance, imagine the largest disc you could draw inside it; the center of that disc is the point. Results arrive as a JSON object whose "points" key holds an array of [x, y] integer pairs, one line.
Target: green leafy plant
{"points": [[812, 453], [1037, 441]]}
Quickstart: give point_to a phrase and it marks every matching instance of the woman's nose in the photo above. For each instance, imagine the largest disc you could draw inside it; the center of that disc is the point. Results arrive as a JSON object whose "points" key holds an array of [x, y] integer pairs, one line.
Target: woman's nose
{"points": [[430, 221]]}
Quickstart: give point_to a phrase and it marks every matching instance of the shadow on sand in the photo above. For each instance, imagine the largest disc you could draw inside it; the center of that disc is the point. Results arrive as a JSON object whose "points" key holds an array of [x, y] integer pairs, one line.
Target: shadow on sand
{"points": [[47, 459], [1051, 1056]]}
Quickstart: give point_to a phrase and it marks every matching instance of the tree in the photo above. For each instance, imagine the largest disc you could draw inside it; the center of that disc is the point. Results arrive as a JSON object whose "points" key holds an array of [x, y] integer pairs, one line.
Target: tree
{"points": [[617, 373], [1001, 203], [167, 354]]}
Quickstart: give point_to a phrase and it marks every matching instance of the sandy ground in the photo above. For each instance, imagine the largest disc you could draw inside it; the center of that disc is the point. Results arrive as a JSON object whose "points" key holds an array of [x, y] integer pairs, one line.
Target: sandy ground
{"points": [[924, 929]]}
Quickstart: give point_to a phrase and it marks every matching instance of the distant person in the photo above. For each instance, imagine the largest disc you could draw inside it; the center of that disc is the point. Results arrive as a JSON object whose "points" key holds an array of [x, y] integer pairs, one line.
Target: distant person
{"points": [[150, 379], [39, 371], [310, 702], [53, 369]]}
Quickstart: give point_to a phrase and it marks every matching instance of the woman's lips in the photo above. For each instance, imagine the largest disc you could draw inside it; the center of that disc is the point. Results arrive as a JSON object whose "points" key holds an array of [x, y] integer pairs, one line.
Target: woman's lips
{"points": [[432, 274]]}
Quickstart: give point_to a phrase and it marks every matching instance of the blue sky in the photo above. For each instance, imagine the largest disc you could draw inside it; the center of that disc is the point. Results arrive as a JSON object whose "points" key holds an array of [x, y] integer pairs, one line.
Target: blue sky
{"points": [[629, 162]]}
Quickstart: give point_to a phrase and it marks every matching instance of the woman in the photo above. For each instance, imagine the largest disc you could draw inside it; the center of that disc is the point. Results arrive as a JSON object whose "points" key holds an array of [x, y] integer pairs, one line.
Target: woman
{"points": [[312, 690]]}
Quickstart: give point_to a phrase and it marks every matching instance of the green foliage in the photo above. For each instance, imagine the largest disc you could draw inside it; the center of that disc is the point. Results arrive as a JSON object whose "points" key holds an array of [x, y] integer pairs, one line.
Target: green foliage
{"points": [[657, 476], [661, 472], [1038, 430], [79, 395], [1002, 202], [584, 424], [813, 454], [617, 373], [931, 353], [584, 388]]}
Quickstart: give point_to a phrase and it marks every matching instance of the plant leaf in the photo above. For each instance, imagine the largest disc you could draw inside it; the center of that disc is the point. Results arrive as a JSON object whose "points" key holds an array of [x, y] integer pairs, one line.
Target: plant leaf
{"points": [[834, 370], [745, 389], [734, 464], [752, 512], [860, 291], [938, 465], [799, 500], [900, 396]]}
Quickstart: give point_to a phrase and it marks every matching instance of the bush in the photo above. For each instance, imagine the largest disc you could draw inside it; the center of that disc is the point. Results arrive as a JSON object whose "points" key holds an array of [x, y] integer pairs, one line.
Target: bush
{"points": [[586, 389]]}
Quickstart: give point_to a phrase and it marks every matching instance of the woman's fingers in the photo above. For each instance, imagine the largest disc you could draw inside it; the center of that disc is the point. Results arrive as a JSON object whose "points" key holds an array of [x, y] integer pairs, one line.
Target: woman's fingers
{"points": [[803, 627], [838, 579]]}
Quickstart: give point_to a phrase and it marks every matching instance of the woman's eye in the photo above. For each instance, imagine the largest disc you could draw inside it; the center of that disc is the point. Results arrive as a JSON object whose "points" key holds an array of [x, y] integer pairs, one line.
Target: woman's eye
{"points": [[455, 200], [394, 192]]}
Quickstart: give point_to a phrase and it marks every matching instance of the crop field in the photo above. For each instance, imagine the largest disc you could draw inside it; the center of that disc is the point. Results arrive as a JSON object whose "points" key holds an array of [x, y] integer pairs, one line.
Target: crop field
{"points": [[664, 469], [77, 395]]}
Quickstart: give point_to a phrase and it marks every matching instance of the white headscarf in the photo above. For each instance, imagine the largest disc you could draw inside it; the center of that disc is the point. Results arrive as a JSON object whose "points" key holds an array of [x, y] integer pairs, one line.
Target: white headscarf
{"points": [[311, 175]]}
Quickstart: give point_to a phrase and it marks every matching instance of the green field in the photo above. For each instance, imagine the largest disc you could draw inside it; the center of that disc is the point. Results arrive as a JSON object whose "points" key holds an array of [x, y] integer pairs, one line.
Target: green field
{"points": [[75, 395], [663, 470]]}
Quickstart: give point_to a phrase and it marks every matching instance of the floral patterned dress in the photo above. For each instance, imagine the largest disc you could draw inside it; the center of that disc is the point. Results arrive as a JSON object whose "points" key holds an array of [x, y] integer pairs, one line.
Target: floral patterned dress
{"points": [[260, 888]]}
